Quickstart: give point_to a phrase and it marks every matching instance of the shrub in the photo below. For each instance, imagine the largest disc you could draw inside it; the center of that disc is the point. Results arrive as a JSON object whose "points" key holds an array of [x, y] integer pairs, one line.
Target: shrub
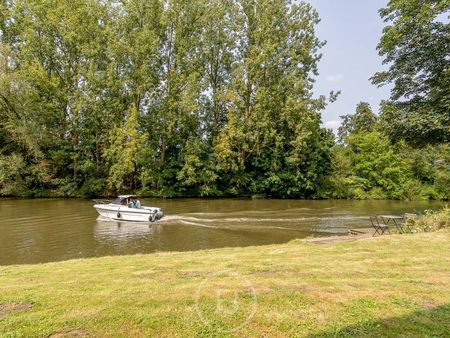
{"points": [[412, 190], [11, 168], [430, 193], [442, 184], [93, 188], [432, 220]]}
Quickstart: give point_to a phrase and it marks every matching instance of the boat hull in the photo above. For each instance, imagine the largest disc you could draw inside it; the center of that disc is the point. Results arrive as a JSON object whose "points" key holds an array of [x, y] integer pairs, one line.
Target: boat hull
{"points": [[124, 213]]}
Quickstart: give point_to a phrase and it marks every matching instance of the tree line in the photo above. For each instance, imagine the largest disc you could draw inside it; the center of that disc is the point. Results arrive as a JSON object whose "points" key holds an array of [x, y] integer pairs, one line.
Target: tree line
{"points": [[205, 98]]}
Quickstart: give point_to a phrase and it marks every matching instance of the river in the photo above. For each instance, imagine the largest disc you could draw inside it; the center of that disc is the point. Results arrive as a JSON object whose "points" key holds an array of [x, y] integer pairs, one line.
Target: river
{"points": [[46, 230]]}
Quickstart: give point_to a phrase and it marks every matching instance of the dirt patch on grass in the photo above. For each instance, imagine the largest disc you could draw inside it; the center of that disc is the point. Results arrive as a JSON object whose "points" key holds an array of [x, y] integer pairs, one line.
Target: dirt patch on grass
{"points": [[7, 308], [352, 236], [78, 333]]}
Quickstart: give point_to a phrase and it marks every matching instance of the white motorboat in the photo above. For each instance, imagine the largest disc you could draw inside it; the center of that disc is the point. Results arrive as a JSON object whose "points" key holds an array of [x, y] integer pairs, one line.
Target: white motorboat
{"points": [[128, 208]]}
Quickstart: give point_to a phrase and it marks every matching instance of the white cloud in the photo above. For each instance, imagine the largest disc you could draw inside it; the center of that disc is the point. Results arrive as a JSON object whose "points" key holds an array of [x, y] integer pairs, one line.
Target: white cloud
{"points": [[332, 125], [335, 78]]}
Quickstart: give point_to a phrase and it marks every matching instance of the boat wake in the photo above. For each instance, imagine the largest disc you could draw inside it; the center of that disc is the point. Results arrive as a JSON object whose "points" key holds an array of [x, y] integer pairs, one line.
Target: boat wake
{"points": [[325, 224], [223, 221], [198, 224], [187, 217]]}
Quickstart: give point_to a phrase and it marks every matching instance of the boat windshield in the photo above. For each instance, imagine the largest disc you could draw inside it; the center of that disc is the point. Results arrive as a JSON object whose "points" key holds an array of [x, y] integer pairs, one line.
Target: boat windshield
{"points": [[120, 200]]}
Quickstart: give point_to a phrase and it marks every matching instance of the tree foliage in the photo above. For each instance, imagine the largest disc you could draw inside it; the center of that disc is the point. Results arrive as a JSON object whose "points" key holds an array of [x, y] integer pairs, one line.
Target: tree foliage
{"points": [[212, 98], [368, 165], [415, 44], [364, 120], [168, 98], [272, 142]]}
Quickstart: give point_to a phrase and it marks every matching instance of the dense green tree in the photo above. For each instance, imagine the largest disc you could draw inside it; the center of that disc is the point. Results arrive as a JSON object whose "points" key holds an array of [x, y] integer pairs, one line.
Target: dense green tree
{"points": [[11, 171], [197, 176], [57, 53], [219, 46], [415, 45], [189, 82], [218, 53], [126, 153], [210, 98], [272, 142], [175, 115], [369, 167], [364, 120]]}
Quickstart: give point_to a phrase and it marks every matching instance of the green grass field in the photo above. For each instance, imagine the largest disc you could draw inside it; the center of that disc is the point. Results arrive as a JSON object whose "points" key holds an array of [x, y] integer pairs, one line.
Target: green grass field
{"points": [[396, 285]]}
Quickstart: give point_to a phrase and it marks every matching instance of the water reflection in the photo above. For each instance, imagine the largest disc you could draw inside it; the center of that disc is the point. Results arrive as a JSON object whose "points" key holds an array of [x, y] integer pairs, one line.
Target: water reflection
{"points": [[106, 229]]}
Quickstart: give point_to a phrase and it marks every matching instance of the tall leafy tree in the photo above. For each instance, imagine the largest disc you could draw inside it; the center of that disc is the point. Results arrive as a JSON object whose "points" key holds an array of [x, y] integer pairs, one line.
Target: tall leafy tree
{"points": [[202, 97], [126, 153], [416, 44], [364, 120], [272, 142], [58, 54], [218, 54], [135, 43], [175, 116]]}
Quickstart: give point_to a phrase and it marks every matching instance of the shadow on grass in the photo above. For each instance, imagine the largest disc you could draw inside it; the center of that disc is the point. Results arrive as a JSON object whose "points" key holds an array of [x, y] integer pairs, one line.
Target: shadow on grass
{"points": [[432, 322]]}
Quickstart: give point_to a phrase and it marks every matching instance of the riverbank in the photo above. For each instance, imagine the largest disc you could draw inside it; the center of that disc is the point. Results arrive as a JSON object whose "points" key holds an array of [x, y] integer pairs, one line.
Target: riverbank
{"points": [[393, 284]]}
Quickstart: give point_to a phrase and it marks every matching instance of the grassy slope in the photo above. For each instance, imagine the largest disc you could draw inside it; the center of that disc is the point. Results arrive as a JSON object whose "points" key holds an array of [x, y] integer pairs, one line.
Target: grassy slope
{"points": [[396, 285]]}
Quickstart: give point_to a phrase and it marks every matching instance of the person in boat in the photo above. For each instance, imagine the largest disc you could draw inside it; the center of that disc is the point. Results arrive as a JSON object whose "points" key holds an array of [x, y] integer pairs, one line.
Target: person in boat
{"points": [[134, 203]]}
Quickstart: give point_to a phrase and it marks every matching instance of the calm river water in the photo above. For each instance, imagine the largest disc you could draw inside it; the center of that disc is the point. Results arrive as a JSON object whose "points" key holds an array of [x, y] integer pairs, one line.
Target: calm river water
{"points": [[45, 230]]}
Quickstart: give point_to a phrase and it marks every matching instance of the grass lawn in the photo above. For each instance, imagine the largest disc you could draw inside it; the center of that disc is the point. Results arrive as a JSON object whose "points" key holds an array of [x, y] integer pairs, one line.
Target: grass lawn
{"points": [[396, 285]]}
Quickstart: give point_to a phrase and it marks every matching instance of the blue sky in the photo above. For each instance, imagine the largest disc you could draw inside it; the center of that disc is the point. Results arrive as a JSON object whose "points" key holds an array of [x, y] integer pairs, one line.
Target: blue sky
{"points": [[352, 29]]}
